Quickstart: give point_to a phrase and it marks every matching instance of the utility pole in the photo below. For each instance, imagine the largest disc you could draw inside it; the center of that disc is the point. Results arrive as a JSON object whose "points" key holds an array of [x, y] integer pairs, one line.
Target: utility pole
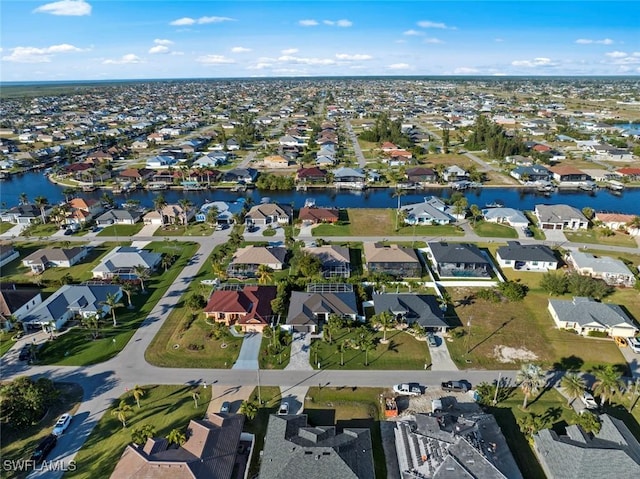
{"points": [[259, 396], [495, 395], [468, 334]]}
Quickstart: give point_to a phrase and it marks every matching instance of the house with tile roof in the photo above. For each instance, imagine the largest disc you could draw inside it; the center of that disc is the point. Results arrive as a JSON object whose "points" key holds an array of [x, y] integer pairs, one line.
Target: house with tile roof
{"points": [[458, 260], [421, 175], [335, 260], [611, 452], [45, 258], [315, 215], [527, 257], [309, 311], [249, 307], [567, 173], [312, 175], [292, 448], [215, 447], [409, 308], [617, 222], [560, 217], [586, 314], [611, 270], [245, 261], [392, 259]]}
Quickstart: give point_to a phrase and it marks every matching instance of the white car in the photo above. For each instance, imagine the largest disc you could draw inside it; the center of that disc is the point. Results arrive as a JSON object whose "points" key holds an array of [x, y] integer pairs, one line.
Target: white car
{"points": [[634, 344], [408, 389], [589, 401], [62, 424]]}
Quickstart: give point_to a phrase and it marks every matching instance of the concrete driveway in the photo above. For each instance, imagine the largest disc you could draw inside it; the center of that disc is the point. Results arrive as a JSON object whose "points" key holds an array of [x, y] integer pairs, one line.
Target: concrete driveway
{"points": [[249, 352], [234, 395], [440, 358]]}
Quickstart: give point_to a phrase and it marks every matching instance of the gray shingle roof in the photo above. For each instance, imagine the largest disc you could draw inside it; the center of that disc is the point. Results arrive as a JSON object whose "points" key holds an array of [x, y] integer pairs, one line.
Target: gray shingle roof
{"points": [[586, 311], [302, 306], [531, 252], [558, 213], [602, 264], [416, 308], [456, 253]]}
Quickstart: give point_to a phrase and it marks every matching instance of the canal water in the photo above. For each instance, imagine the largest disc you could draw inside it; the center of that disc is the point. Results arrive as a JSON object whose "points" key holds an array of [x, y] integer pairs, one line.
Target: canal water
{"points": [[36, 184]]}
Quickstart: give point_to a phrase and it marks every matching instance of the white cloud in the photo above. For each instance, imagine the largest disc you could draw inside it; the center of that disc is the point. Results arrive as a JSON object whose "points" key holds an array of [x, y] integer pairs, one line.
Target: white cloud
{"points": [[158, 49], [616, 54], [39, 55], [354, 57], [338, 23], [260, 66], [71, 8], [536, 62], [465, 71], [306, 61], [185, 21], [412, 33], [289, 51], [160, 41], [430, 24], [214, 60], [588, 41], [399, 66], [129, 58], [240, 50], [308, 23], [432, 40]]}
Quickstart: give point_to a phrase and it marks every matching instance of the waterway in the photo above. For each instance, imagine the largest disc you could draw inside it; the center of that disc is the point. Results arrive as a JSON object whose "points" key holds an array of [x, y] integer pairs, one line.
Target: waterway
{"points": [[36, 184]]}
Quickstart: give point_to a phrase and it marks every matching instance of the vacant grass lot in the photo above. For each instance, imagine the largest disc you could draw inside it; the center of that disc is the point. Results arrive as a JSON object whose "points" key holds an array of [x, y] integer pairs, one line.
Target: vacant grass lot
{"points": [[76, 348], [16, 445], [494, 230], [595, 237], [121, 230], [164, 407], [402, 351]]}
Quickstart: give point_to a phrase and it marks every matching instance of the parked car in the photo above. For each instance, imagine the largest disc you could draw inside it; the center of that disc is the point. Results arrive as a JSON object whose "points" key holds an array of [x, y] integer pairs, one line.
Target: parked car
{"points": [[431, 339], [62, 424], [283, 410], [225, 406], [408, 389], [68, 232], [634, 344], [588, 400], [25, 353], [44, 448], [455, 386]]}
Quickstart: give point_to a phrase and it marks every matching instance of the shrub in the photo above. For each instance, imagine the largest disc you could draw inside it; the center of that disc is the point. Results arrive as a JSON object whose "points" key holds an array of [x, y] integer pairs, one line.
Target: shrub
{"points": [[457, 333], [195, 347], [597, 334], [512, 290], [490, 295]]}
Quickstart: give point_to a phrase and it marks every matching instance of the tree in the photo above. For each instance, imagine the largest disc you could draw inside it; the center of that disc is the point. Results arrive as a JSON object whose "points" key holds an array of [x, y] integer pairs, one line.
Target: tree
{"points": [[158, 204], [608, 382], [212, 215], [512, 290], [24, 199], [92, 323], [137, 392], [475, 213], [186, 205], [122, 412], [196, 302], [177, 437], [68, 193], [334, 323], [139, 435], [530, 424], [555, 283], [249, 409], [195, 395], [460, 206], [24, 401], [445, 140], [127, 288], [367, 343], [343, 346], [309, 265], [385, 320], [531, 378], [166, 261], [108, 200], [573, 385], [113, 302], [588, 212], [589, 422], [142, 272], [41, 202], [264, 274], [398, 193]]}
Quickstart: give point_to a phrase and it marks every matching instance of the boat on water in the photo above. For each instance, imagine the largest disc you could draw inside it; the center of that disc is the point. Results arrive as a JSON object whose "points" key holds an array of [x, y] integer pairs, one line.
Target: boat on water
{"points": [[192, 186], [494, 204], [157, 186], [89, 188], [309, 202]]}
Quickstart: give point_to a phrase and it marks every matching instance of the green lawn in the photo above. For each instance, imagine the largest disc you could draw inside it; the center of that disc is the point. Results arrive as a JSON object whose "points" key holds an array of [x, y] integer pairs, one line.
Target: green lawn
{"points": [[402, 351], [4, 226], [6, 341], [40, 230], [192, 229], [494, 230], [20, 444], [270, 397], [269, 361], [593, 236], [164, 407], [121, 230], [435, 230], [76, 348]]}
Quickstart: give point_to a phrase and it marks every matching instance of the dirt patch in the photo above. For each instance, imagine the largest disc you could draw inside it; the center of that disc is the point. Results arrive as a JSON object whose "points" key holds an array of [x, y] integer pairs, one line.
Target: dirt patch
{"points": [[506, 354]]}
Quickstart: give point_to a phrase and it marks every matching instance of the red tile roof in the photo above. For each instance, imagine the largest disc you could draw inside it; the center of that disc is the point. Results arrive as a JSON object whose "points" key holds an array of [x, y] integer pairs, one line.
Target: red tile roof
{"points": [[254, 301], [319, 214]]}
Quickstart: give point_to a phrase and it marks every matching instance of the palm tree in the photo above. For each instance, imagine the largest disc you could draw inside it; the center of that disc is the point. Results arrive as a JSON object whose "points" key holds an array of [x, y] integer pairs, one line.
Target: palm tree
{"points": [[166, 261], [113, 302], [177, 437], [142, 272], [92, 323], [249, 409], [531, 378], [137, 392], [186, 207], [127, 288], [386, 320], [68, 192], [122, 411], [398, 193], [608, 382], [196, 396], [41, 202], [24, 199], [573, 385], [367, 343], [460, 206], [264, 274], [158, 204], [343, 346], [212, 215], [475, 212]]}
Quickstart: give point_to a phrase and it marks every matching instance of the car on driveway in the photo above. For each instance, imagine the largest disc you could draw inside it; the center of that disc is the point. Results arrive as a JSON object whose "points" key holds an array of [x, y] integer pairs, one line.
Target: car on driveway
{"points": [[68, 232], [283, 410], [634, 344], [431, 339], [225, 406], [62, 424], [588, 400], [25, 353], [455, 386], [44, 448], [408, 389]]}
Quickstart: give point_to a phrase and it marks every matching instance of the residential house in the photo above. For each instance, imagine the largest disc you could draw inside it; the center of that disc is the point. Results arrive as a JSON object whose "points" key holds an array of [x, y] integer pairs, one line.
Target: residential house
{"points": [[444, 445], [510, 216], [611, 153], [71, 300], [45, 258], [611, 270], [421, 175], [311, 175], [245, 261], [612, 451], [161, 162], [122, 260], [392, 259], [309, 311], [119, 217], [98, 157], [22, 214], [215, 447], [408, 308], [568, 174], [586, 314], [433, 211], [292, 448], [560, 217], [82, 210], [248, 307], [15, 304], [314, 215], [227, 211], [454, 173], [459, 260], [7, 254], [139, 145], [531, 173], [246, 175], [174, 214], [519, 160], [136, 175], [631, 173], [269, 213], [529, 257], [618, 222], [348, 178], [335, 260], [290, 140], [275, 161]]}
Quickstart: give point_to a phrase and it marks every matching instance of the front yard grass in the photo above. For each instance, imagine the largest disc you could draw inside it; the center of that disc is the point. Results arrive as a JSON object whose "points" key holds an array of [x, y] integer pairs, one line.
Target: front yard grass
{"points": [[402, 352], [6, 341], [163, 407], [19, 445], [267, 360], [4, 226], [594, 236], [494, 230], [76, 348], [192, 229], [121, 230]]}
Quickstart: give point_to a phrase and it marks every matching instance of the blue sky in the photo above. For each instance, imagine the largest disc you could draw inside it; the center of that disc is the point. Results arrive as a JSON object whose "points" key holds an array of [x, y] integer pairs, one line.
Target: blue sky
{"points": [[104, 39]]}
